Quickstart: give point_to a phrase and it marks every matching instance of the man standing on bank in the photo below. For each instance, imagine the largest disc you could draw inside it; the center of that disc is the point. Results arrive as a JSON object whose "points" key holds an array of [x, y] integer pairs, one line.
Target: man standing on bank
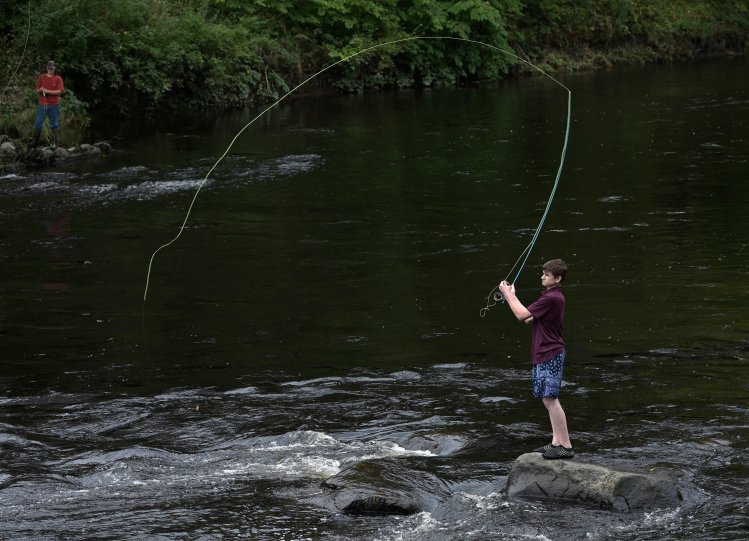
{"points": [[49, 86], [546, 316]]}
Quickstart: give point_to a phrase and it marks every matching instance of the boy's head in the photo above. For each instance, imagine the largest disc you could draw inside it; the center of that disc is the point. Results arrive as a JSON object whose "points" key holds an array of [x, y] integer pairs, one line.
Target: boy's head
{"points": [[557, 268]]}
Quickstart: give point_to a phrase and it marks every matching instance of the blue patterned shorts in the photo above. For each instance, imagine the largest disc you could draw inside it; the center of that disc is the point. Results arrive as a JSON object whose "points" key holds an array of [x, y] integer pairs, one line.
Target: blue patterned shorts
{"points": [[547, 377]]}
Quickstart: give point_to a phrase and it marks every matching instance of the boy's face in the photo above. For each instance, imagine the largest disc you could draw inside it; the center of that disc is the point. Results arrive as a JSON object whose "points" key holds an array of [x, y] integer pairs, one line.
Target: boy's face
{"points": [[548, 280]]}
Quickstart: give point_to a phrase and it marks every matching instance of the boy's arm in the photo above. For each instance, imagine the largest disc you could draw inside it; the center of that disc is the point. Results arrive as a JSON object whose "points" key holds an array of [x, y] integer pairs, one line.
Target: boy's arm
{"points": [[520, 311], [57, 92]]}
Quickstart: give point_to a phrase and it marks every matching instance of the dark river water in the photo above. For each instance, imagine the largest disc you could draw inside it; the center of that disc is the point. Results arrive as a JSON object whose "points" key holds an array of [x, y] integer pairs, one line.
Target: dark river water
{"points": [[322, 308]]}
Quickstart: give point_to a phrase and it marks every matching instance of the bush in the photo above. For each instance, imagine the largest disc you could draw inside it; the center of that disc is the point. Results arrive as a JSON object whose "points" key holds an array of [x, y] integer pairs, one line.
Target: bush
{"points": [[319, 32], [136, 55]]}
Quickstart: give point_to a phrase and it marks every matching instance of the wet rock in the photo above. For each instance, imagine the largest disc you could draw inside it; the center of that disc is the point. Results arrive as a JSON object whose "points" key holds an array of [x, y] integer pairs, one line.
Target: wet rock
{"points": [[41, 155], [60, 154], [88, 149], [532, 476], [435, 444], [104, 147], [388, 486], [8, 151]]}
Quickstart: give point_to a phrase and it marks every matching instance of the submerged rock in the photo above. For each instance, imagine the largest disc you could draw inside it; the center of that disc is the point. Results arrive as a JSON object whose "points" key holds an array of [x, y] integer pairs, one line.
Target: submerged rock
{"points": [[388, 486], [532, 476]]}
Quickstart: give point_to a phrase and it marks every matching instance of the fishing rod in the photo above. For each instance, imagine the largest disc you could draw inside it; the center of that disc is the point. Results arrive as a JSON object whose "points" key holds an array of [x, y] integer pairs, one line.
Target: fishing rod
{"points": [[527, 250], [495, 296]]}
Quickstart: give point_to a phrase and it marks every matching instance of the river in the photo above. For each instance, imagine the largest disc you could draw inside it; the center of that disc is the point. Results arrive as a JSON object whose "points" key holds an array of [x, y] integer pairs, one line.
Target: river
{"points": [[322, 307]]}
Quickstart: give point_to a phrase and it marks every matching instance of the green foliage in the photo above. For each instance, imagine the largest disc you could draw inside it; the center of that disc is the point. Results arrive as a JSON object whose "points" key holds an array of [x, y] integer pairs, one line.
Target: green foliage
{"points": [[452, 61], [136, 55], [668, 28], [318, 32], [14, 17]]}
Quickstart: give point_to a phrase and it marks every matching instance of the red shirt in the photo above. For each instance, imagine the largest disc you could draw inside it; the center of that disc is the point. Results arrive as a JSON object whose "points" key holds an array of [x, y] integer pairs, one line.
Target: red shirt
{"points": [[547, 325], [49, 83]]}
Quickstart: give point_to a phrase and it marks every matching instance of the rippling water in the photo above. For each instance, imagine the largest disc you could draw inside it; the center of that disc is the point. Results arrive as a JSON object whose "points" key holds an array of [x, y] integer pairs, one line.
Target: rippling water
{"points": [[322, 308], [247, 461]]}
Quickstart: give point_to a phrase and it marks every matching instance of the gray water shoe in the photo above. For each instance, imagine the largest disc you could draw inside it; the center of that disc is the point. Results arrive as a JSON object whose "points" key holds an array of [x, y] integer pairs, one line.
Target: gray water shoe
{"points": [[559, 452], [547, 447]]}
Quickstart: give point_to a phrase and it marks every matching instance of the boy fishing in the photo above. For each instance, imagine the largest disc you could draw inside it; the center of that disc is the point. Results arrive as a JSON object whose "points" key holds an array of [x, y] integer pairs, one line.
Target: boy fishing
{"points": [[49, 86], [546, 316]]}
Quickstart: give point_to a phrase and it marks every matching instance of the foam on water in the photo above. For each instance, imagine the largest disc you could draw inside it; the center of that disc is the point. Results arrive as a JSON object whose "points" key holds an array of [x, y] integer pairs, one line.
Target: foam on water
{"points": [[140, 183], [488, 502], [661, 520], [290, 456], [450, 366], [497, 399], [243, 390], [338, 380], [315, 454], [420, 526]]}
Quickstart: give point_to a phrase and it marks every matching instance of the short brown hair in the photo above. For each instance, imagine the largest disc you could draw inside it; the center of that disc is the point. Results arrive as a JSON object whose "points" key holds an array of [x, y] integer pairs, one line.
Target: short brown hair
{"points": [[557, 267]]}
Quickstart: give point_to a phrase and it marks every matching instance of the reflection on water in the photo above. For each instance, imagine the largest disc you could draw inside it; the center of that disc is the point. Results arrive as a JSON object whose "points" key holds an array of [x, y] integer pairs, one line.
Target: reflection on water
{"points": [[322, 308]]}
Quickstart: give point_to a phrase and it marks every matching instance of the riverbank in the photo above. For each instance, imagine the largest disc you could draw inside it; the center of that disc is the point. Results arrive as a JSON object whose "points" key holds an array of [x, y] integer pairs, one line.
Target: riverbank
{"points": [[589, 59]]}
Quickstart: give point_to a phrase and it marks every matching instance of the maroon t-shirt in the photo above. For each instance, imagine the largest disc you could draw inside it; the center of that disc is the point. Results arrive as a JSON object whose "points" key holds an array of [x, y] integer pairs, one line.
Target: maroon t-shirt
{"points": [[547, 325]]}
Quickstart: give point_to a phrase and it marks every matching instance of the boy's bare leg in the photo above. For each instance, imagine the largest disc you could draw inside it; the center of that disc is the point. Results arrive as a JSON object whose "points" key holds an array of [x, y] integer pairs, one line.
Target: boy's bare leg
{"points": [[558, 422]]}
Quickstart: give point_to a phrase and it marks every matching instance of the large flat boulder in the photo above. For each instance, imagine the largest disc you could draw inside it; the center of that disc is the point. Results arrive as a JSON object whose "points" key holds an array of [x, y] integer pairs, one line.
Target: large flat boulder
{"points": [[532, 476]]}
